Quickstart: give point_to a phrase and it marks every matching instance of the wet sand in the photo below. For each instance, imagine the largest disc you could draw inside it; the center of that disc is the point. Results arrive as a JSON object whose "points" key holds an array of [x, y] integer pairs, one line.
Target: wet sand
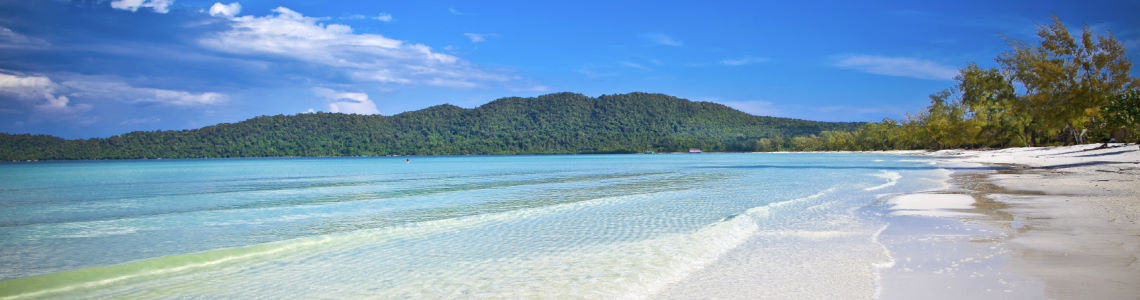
{"points": [[1055, 222]]}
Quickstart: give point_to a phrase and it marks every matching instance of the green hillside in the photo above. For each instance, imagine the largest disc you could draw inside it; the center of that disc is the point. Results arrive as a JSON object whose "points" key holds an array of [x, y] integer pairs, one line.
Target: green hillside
{"points": [[555, 123]]}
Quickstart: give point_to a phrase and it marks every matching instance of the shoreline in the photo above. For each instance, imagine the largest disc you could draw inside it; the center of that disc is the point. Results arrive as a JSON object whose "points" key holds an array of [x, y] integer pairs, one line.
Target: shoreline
{"points": [[1049, 222]]}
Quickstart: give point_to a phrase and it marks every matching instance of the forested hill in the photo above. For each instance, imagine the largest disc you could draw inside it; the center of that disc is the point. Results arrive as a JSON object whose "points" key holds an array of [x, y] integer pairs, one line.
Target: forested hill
{"points": [[555, 123]]}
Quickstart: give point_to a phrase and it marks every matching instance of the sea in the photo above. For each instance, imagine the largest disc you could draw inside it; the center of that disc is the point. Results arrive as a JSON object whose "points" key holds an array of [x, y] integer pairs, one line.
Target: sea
{"points": [[546, 226]]}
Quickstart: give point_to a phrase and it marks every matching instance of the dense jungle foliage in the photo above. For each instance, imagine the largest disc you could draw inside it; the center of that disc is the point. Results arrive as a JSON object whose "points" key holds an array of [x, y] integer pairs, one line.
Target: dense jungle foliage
{"points": [[555, 123]]}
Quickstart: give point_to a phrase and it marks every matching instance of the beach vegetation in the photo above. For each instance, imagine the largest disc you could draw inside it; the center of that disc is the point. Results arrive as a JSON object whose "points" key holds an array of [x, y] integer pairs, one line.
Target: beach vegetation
{"points": [[1061, 90]]}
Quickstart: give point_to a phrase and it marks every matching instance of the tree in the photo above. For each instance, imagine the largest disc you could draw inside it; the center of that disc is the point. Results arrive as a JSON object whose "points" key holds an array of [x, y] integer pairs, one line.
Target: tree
{"points": [[1065, 80], [1122, 114], [994, 107]]}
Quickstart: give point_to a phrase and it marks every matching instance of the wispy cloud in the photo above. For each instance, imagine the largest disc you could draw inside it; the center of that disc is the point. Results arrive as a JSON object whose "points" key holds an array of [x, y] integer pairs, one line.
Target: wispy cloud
{"points": [[362, 57], [347, 102], [592, 72], [479, 37], [383, 17], [634, 65], [109, 88], [454, 11], [137, 121], [662, 39], [46, 95], [743, 61], [159, 6], [11, 39], [897, 66], [754, 107], [532, 88]]}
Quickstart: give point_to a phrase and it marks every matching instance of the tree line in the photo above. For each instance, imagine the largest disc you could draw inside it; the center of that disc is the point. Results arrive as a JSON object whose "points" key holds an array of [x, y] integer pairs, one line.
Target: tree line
{"points": [[550, 124], [1063, 90]]}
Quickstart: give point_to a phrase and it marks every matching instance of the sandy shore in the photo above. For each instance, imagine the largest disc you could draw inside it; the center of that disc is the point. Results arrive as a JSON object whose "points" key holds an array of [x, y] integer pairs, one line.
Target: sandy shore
{"points": [[1055, 222]]}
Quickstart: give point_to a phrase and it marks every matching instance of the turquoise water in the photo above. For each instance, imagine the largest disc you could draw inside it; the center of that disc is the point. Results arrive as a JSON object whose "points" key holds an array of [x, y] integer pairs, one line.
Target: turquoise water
{"points": [[583, 226]]}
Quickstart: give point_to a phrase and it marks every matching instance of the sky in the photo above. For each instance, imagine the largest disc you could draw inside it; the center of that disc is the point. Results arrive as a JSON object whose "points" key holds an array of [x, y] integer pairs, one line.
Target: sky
{"points": [[82, 69]]}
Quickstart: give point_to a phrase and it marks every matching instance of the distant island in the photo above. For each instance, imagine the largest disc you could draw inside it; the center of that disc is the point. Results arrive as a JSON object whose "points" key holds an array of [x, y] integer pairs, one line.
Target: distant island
{"points": [[562, 123]]}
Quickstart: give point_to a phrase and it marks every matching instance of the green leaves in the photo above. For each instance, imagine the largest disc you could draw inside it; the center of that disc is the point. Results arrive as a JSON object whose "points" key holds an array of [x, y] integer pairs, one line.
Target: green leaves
{"points": [[1058, 91]]}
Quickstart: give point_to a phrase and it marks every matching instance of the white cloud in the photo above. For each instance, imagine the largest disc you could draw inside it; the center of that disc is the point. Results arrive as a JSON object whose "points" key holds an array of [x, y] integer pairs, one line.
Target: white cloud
{"points": [[475, 37], [363, 57], [40, 91], [46, 94], [634, 65], [104, 88], [225, 10], [662, 39], [898, 66], [532, 88], [383, 17], [347, 102], [454, 11], [159, 6], [743, 61]]}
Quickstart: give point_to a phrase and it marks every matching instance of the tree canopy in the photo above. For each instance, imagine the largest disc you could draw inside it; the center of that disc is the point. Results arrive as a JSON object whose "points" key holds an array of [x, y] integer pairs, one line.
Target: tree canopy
{"points": [[1062, 90], [555, 123]]}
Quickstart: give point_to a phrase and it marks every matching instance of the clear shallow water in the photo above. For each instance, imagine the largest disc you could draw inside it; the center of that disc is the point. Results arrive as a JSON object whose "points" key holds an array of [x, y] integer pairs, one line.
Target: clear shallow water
{"points": [[587, 226]]}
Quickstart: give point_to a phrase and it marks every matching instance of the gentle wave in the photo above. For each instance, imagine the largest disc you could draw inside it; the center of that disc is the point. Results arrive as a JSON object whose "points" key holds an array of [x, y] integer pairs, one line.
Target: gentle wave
{"points": [[97, 277], [877, 268], [657, 261], [304, 201], [547, 227], [891, 177]]}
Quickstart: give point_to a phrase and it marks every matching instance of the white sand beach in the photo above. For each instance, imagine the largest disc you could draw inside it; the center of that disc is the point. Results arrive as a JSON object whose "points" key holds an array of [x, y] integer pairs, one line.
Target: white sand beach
{"points": [[1058, 222]]}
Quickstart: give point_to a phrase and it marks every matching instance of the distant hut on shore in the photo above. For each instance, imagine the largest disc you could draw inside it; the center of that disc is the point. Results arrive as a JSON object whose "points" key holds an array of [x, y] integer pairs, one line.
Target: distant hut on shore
{"points": [[694, 150]]}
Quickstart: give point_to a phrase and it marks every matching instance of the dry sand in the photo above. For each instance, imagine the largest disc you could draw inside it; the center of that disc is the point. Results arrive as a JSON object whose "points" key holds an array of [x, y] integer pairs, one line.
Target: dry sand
{"points": [[1070, 215]]}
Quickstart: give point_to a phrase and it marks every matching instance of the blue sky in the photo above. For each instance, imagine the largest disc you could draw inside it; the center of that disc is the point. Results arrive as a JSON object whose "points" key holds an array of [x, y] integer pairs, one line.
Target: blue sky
{"points": [[79, 69]]}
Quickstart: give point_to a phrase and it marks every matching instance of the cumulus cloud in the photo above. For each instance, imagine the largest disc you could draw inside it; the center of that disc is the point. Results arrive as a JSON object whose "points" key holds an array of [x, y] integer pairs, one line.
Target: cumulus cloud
{"points": [[663, 39], [897, 66], [40, 91], [362, 57], [347, 102], [225, 10], [159, 6]]}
